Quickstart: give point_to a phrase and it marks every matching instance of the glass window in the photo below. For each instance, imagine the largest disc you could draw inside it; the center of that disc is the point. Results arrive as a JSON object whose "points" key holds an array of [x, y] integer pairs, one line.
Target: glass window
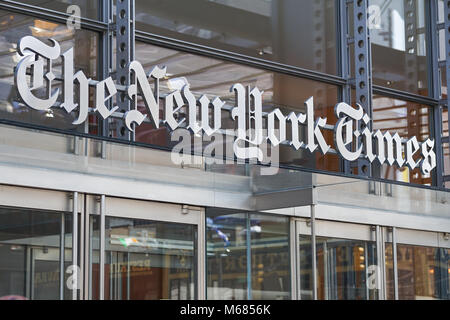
{"points": [[408, 119], [270, 257], [247, 256], [88, 8], [30, 254], [418, 272], [226, 245], [398, 42], [214, 77], [389, 267], [85, 43], [148, 260], [299, 33]]}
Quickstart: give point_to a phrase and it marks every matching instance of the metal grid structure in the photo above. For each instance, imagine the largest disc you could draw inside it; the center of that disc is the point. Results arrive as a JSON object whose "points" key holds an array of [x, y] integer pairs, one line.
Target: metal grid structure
{"points": [[124, 31]]}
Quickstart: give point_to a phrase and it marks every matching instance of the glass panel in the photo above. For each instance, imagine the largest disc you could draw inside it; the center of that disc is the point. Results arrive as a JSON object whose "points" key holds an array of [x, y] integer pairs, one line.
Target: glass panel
{"points": [[268, 29], [148, 260], [270, 257], [226, 245], [30, 254], [398, 42], [214, 77], [444, 272], [88, 8], [94, 255], [418, 272], [346, 269], [408, 119], [228, 255], [85, 43], [306, 275], [389, 267]]}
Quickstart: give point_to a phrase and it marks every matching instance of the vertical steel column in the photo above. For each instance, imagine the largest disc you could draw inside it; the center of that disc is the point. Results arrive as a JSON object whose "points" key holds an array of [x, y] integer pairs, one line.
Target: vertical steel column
{"points": [[80, 276], [102, 248], [125, 24], [293, 249], [363, 82], [313, 251], [249, 258], [87, 250], [201, 256], [61, 257], [394, 261], [75, 244], [381, 278]]}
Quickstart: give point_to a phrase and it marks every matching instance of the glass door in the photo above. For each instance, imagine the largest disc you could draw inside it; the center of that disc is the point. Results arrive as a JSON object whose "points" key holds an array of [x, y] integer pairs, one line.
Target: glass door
{"points": [[35, 244], [150, 252], [423, 270], [346, 256]]}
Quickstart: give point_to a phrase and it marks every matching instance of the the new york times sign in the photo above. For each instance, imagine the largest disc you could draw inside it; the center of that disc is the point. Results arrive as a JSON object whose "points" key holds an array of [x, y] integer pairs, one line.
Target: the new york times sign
{"points": [[350, 130]]}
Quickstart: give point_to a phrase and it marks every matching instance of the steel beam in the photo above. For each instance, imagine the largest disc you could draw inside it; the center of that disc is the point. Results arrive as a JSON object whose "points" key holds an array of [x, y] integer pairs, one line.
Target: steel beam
{"points": [[363, 81], [125, 42]]}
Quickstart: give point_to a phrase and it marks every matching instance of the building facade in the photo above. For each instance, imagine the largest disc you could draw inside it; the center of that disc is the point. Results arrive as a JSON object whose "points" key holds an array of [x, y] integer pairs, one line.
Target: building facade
{"points": [[115, 184]]}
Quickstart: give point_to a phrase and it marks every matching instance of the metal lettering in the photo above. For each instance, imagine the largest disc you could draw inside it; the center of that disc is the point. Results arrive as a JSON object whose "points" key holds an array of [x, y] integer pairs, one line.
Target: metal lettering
{"points": [[34, 71]]}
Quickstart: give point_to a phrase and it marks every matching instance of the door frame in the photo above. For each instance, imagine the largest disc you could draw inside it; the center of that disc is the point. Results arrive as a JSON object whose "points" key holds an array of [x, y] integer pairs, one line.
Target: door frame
{"points": [[104, 206], [59, 202], [347, 230], [342, 230]]}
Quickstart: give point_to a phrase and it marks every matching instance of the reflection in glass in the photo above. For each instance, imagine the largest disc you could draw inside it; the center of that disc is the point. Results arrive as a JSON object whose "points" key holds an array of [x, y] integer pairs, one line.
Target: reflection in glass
{"points": [[214, 77], [270, 257], [85, 43], [422, 273], [416, 267], [30, 253], [148, 260], [389, 267], [408, 119], [247, 256], [346, 269], [398, 43], [226, 245], [301, 33]]}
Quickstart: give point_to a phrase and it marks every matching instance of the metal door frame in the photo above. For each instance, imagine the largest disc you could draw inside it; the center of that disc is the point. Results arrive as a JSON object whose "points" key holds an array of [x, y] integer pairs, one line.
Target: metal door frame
{"points": [[343, 230]]}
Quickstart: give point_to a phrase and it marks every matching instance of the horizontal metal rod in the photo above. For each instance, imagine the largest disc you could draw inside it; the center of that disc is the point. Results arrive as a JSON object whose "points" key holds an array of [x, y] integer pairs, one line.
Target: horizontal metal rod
{"points": [[51, 15], [403, 95], [238, 58]]}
